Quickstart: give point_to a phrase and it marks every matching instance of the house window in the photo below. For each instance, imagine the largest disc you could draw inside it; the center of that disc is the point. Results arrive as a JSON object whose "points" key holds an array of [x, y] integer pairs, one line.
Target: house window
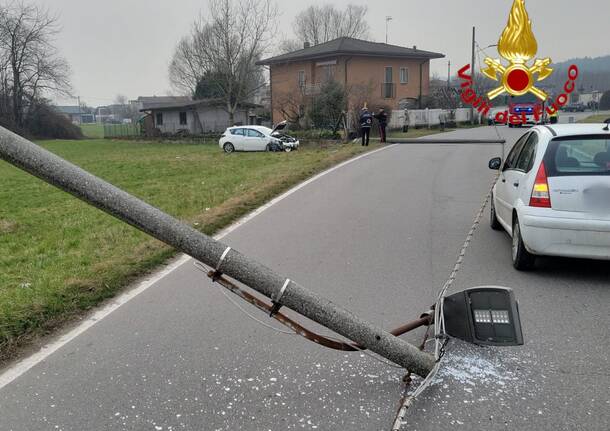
{"points": [[301, 78], [183, 120], [404, 75], [328, 73], [388, 86], [388, 75], [159, 118]]}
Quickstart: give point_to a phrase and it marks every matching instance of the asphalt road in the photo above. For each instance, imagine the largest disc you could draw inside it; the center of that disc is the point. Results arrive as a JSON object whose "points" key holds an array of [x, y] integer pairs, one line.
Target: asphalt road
{"points": [[378, 236]]}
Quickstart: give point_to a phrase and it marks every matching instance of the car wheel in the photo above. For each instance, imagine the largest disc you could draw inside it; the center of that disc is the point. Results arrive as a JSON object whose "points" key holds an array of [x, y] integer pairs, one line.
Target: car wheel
{"points": [[494, 223], [228, 147], [268, 148], [522, 259], [288, 149]]}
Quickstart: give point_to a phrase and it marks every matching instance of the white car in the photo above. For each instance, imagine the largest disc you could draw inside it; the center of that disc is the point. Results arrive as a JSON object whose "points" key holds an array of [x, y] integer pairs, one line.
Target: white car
{"points": [[257, 138], [553, 193]]}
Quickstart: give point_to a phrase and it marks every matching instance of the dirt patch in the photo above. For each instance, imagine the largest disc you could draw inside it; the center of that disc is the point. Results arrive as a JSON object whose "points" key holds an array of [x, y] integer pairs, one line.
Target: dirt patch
{"points": [[8, 226]]}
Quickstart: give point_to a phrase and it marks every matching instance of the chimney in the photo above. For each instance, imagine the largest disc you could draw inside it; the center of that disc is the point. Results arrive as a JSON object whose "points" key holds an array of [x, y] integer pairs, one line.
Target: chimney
{"points": [[306, 45]]}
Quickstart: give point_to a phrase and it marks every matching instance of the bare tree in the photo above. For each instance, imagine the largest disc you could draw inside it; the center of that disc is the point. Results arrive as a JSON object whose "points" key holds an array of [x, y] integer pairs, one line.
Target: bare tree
{"points": [[225, 46], [319, 24], [358, 96], [31, 65], [292, 105], [288, 45], [120, 99]]}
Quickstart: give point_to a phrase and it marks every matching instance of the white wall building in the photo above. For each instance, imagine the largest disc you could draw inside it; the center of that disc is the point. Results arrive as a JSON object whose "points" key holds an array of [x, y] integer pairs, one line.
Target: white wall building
{"points": [[193, 117]]}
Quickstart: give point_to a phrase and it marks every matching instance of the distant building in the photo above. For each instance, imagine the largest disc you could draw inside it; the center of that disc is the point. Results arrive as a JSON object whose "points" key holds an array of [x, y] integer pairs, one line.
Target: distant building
{"points": [[377, 74], [75, 114], [103, 114], [263, 97], [590, 99], [144, 103], [182, 115]]}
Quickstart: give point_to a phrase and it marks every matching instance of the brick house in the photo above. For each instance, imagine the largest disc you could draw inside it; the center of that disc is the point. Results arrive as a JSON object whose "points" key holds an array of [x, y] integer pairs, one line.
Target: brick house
{"points": [[377, 74]]}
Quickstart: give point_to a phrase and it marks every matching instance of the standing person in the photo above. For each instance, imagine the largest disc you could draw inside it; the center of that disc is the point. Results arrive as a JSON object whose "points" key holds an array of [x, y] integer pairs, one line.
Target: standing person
{"points": [[405, 128], [382, 117], [442, 118], [366, 122]]}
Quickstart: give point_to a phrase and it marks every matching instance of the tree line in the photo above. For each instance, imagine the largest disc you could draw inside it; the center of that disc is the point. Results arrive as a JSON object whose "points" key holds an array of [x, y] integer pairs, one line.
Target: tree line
{"points": [[31, 69], [217, 59]]}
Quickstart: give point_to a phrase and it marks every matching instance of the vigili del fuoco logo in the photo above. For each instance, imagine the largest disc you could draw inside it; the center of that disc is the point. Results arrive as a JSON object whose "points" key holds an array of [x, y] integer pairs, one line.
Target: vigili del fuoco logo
{"points": [[517, 46]]}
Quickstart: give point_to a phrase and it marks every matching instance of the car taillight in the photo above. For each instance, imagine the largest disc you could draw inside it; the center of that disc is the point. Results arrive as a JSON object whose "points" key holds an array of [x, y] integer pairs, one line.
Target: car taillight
{"points": [[541, 197]]}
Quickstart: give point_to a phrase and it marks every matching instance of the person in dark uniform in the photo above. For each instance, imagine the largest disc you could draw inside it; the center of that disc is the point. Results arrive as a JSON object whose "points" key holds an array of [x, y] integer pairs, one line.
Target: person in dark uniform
{"points": [[382, 117], [366, 122]]}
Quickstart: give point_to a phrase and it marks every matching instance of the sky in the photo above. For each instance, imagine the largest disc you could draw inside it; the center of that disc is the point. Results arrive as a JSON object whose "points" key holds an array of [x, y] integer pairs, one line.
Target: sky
{"points": [[124, 46]]}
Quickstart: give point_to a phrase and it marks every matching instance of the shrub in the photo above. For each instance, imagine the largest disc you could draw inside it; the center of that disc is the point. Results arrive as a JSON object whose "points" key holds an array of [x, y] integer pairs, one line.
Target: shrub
{"points": [[326, 109], [45, 122]]}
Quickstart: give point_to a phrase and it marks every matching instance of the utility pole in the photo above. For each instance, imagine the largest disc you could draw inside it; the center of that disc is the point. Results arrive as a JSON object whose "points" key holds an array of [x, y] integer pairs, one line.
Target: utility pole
{"points": [[282, 291], [449, 75], [473, 73], [80, 115], [387, 21]]}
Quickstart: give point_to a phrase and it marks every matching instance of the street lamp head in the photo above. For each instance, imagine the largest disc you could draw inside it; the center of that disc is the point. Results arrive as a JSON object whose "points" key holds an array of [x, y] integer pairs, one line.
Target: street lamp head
{"points": [[487, 315]]}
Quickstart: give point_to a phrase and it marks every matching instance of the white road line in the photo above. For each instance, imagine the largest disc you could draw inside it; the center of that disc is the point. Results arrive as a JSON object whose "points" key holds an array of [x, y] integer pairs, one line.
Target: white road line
{"points": [[24, 365]]}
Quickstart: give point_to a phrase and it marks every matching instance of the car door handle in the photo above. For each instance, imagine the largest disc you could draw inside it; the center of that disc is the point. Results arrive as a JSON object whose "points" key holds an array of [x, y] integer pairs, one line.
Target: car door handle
{"points": [[516, 184]]}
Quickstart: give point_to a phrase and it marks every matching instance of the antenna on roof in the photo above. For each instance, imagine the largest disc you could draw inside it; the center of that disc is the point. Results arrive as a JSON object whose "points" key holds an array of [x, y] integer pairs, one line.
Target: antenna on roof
{"points": [[387, 21]]}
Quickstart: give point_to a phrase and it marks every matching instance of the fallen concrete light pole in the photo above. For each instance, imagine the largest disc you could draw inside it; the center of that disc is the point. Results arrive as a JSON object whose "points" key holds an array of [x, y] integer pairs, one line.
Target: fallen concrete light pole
{"points": [[284, 292], [444, 141]]}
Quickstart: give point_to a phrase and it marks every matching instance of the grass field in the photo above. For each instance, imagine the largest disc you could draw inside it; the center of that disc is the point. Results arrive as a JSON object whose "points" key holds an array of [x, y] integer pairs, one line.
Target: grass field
{"points": [[93, 131], [59, 256], [597, 118]]}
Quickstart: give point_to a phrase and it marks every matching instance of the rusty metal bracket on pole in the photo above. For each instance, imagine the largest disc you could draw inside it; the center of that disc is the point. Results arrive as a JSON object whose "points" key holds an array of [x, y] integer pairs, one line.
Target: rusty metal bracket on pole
{"points": [[426, 319], [116, 202]]}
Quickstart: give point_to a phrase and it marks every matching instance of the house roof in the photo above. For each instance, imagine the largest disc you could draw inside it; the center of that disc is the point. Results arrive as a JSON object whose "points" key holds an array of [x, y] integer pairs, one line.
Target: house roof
{"points": [[157, 101], [351, 46], [188, 103], [69, 110]]}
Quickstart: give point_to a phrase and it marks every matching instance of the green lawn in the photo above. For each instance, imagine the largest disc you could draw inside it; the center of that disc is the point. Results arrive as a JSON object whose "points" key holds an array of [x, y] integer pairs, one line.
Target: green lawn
{"points": [[597, 118], [93, 131], [59, 257]]}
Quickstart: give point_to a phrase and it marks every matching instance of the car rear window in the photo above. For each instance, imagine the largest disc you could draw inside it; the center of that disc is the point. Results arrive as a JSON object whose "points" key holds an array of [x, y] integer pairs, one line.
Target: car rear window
{"points": [[578, 156]]}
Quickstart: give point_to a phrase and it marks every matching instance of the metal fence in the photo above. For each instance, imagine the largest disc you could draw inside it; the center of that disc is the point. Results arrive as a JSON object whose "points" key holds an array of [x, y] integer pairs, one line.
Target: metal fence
{"points": [[122, 130], [429, 117]]}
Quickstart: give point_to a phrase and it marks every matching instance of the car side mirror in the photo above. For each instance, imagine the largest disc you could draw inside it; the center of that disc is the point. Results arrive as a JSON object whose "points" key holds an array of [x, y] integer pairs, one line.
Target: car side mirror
{"points": [[495, 163]]}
